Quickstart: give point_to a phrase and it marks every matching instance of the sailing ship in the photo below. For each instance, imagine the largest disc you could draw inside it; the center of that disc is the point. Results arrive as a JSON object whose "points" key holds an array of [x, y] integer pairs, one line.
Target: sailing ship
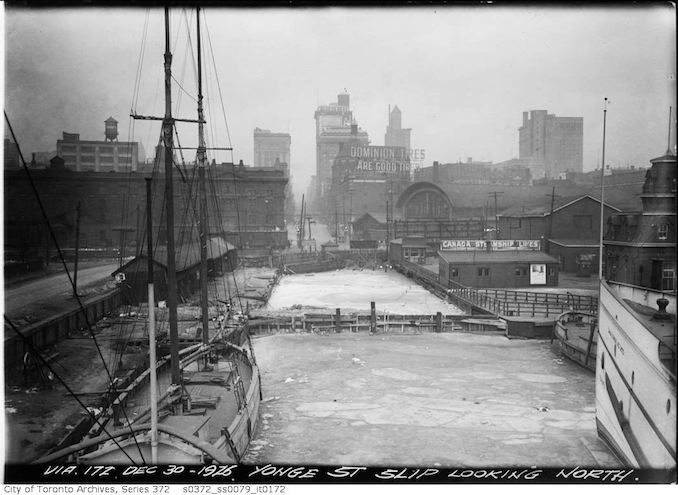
{"points": [[636, 343], [200, 403]]}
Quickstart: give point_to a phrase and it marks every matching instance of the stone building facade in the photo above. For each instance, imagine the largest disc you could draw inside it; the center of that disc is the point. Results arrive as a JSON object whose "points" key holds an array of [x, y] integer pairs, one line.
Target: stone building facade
{"points": [[271, 148]]}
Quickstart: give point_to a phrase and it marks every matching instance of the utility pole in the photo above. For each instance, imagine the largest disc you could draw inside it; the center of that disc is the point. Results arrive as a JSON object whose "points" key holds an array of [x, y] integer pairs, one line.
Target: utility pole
{"points": [[550, 227], [350, 214], [388, 230], [77, 247], [301, 223], [138, 236], [496, 194]]}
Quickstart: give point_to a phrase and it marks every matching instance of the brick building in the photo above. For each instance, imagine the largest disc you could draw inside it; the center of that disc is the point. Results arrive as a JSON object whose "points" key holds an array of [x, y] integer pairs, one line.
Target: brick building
{"points": [[640, 247], [109, 155], [554, 144], [249, 207], [11, 157], [571, 231], [485, 268], [424, 209], [367, 178]]}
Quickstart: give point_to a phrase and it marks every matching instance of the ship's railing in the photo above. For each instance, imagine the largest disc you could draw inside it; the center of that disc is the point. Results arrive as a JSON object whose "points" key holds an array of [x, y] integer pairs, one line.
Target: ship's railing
{"points": [[503, 302], [647, 295], [522, 303], [220, 456]]}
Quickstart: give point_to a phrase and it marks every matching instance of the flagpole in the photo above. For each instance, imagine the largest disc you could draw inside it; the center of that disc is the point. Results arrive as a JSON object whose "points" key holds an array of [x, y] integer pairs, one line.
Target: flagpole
{"points": [[602, 198]]}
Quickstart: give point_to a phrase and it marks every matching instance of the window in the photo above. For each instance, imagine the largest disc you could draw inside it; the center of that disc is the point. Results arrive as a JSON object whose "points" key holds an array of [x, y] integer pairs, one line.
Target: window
{"points": [[663, 232], [454, 272], [521, 271], [483, 272], [669, 275]]}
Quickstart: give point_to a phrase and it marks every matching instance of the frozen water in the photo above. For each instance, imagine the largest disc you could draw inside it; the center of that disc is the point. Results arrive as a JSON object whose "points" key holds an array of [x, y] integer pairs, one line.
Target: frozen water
{"points": [[354, 290]]}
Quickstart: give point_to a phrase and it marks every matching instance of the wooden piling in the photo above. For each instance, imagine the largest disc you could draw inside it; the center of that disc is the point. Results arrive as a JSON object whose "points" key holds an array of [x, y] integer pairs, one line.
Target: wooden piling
{"points": [[373, 317]]}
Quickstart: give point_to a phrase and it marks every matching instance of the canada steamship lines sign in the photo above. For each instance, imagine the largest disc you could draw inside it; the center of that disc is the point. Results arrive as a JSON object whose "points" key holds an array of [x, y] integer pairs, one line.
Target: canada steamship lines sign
{"points": [[495, 245]]}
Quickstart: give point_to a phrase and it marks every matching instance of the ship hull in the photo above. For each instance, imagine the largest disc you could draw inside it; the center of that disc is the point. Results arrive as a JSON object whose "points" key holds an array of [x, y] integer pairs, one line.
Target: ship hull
{"points": [[635, 391], [239, 416], [576, 340]]}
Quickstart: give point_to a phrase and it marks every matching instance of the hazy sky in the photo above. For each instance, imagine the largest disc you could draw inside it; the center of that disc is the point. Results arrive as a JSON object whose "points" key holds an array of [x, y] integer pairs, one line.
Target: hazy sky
{"points": [[461, 76]]}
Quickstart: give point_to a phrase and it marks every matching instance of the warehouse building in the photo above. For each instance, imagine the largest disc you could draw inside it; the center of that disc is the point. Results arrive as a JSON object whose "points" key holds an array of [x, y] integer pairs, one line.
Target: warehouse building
{"points": [[496, 264]]}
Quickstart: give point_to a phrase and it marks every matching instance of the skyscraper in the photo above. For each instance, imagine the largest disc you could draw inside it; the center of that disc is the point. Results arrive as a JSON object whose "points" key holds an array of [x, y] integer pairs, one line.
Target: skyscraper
{"points": [[395, 134], [333, 128], [552, 145]]}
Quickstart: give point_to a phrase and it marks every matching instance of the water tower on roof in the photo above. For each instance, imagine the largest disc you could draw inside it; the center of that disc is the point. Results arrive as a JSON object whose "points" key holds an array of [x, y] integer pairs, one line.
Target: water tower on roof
{"points": [[111, 129]]}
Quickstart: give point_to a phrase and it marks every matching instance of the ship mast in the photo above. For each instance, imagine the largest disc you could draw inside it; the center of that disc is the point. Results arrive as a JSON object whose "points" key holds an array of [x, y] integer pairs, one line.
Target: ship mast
{"points": [[152, 358], [168, 145], [201, 159]]}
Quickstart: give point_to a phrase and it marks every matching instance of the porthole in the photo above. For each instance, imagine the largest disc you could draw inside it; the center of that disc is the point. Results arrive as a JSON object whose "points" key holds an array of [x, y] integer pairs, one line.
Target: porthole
{"points": [[602, 361], [615, 351], [633, 376], [668, 406]]}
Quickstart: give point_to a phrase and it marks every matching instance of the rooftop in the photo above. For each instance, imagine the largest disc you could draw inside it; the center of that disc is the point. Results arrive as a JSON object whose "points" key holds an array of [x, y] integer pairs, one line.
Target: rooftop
{"points": [[496, 256]]}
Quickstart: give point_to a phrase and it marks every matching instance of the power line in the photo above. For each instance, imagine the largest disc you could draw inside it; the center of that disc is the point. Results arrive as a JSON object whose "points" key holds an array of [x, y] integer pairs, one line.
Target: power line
{"points": [[29, 344], [63, 262]]}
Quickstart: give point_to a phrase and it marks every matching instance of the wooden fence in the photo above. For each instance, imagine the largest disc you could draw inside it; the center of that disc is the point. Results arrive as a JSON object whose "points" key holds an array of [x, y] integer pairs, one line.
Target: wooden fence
{"points": [[383, 322], [502, 302]]}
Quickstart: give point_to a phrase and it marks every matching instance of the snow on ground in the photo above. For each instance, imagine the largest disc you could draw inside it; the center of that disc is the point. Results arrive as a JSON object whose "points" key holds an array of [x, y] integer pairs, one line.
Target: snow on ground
{"points": [[354, 290]]}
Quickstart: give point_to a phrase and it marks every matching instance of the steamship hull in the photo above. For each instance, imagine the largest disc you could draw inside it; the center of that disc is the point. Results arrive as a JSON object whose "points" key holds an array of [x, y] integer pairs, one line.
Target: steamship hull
{"points": [[636, 376]]}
